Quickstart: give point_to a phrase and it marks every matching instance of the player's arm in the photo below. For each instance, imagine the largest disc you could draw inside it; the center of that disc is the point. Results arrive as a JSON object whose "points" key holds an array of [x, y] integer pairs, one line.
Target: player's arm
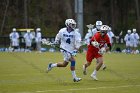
{"points": [[94, 41], [109, 47]]}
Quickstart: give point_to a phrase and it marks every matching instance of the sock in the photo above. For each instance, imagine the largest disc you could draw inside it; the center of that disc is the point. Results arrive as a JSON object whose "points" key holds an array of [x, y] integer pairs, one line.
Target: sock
{"points": [[73, 74], [94, 72], [54, 65]]}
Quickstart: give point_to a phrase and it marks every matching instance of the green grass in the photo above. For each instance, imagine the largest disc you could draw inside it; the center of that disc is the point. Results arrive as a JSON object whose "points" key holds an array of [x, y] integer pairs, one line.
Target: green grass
{"points": [[25, 73]]}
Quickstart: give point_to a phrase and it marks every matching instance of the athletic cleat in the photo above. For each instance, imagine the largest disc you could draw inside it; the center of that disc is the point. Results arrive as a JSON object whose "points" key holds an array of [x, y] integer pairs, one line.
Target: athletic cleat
{"points": [[94, 77], [77, 79], [84, 70], [104, 67], [49, 67]]}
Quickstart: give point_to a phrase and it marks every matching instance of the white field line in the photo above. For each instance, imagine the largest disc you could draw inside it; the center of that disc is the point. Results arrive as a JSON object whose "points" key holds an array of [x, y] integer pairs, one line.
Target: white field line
{"points": [[96, 88]]}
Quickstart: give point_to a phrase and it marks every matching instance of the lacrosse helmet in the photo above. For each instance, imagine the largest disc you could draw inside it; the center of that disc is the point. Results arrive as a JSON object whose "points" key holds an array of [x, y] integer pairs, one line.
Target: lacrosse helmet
{"points": [[38, 29], [134, 30], [129, 31], [14, 29], [104, 29], [70, 23], [99, 24]]}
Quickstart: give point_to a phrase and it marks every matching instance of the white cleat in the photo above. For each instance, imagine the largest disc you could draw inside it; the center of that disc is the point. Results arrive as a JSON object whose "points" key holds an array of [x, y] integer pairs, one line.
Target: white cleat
{"points": [[94, 77], [77, 79], [84, 70], [49, 67]]}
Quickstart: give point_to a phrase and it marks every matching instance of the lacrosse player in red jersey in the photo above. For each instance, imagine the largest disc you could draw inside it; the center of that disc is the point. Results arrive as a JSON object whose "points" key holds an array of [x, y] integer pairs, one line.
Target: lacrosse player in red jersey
{"points": [[96, 49], [70, 42]]}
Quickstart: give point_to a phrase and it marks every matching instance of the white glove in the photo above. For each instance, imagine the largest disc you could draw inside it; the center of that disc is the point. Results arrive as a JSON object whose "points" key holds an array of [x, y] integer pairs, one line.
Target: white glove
{"points": [[102, 51], [95, 44], [74, 53]]}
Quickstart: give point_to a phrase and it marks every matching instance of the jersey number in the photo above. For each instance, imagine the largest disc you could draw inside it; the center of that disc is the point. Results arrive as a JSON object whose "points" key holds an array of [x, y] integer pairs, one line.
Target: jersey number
{"points": [[68, 41]]}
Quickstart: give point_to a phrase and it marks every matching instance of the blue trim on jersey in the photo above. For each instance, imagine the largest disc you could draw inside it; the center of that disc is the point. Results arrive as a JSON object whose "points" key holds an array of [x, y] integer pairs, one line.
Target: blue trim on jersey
{"points": [[72, 63]]}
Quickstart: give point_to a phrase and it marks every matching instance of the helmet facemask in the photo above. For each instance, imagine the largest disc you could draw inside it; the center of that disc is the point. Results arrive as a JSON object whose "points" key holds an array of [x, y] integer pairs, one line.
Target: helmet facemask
{"points": [[70, 23]]}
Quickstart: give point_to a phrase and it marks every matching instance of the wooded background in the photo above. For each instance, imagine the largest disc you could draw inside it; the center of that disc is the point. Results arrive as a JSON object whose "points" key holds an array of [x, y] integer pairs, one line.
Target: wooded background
{"points": [[50, 15]]}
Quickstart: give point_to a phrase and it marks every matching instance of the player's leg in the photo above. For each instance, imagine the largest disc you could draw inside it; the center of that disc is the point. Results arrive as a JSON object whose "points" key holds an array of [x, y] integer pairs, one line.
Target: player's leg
{"points": [[98, 66], [104, 66], [72, 67], [89, 58], [59, 64]]}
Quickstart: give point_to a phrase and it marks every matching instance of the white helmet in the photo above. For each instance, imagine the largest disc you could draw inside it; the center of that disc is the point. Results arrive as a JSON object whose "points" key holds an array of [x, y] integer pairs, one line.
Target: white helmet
{"points": [[134, 30], [104, 29], [98, 24], [14, 29], [129, 31], [70, 23], [38, 29]]}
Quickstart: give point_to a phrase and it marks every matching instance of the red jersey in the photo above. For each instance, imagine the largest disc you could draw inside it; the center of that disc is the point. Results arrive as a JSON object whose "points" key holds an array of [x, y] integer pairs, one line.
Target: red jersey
{"points": [[101, 40], [92, 51]]}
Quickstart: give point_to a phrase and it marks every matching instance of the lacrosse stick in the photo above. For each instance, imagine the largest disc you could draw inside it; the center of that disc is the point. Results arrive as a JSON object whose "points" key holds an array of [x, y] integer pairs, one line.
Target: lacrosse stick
{"points": [[45, 42]]}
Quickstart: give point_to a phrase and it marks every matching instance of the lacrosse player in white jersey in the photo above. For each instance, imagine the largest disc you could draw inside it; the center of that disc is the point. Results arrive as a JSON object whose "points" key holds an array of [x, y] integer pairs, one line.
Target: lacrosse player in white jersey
{"points": [[70, 41], [111, 35], [28, 40], [38, 39], [135, 41], [128, 40], [14, 37], [92, 31]]}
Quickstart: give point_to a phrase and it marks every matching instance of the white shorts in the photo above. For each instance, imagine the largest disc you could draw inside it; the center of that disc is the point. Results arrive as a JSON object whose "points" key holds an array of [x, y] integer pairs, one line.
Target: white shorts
{"points": [[66, 55], [134, 44], [128, 44], [28, 44]]}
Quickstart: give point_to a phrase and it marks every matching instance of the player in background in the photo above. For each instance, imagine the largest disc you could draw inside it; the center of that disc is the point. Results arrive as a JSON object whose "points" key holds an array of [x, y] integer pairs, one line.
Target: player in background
{"points": [[70, 41], [111, 35], [14, 38], [96, 50], [128, 40], [28, 36], [135, 42], [92, 31], [38, 39]]}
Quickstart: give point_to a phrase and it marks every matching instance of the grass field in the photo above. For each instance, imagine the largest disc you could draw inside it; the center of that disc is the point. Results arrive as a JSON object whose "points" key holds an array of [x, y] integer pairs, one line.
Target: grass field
{"points": [[25, 73]]}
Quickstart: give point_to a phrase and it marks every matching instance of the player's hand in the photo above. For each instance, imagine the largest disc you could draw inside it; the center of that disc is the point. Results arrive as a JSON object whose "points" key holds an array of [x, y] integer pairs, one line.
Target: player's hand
{"points": [[95, 44], [102, 51], [74, 53]]}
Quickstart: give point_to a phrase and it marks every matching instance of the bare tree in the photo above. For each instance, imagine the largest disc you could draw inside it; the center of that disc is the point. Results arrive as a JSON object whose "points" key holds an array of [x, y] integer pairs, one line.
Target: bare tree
{"points": [[137, 11]]}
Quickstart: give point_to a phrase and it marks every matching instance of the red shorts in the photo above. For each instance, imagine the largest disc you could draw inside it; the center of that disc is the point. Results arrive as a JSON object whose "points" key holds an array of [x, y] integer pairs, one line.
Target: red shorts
{"points": [[91, 54]]}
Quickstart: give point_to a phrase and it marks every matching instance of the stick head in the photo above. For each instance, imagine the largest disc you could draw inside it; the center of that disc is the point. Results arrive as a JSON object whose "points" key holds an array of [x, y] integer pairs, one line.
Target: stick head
{"points": [[44, 41]]}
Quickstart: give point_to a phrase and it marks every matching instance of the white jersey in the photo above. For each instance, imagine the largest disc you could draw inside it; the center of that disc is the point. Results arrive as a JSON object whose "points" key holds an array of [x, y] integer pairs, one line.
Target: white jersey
{"points": [[111, 35], [68, 40], [89, 35], [28, 38], [135, 37], [38, 37], [128, 39], [14, 36]]}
